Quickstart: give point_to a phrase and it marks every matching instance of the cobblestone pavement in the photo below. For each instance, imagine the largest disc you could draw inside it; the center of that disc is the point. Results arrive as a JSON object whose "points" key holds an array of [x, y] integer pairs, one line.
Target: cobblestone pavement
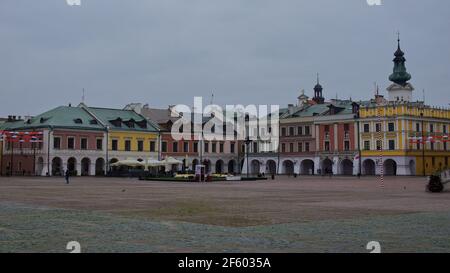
{"points": [[306, 214]]}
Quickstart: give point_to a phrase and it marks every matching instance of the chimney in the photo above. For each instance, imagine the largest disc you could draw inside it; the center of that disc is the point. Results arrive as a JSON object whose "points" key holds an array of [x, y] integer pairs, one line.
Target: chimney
{"points": [[291, 108]]}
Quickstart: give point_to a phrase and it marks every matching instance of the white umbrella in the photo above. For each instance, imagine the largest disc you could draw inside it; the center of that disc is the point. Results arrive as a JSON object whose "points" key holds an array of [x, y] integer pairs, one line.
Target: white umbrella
{"points": [[154, 163], [129, 163], [172, 161]]}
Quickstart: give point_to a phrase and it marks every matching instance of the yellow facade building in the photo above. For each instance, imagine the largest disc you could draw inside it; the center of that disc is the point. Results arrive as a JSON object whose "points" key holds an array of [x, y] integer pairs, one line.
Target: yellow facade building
{"points": [[399, 136], [129, 134]]}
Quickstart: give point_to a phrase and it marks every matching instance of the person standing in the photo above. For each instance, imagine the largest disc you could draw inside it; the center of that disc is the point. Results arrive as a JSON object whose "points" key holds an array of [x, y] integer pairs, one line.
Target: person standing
{"points": [[67, 175]]}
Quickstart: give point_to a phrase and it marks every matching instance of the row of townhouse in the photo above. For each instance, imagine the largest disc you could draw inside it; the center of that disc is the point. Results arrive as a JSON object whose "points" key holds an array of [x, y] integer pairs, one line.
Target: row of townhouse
{"points": [[218, 156], [87, 140], [84, 140], [393, 136]]}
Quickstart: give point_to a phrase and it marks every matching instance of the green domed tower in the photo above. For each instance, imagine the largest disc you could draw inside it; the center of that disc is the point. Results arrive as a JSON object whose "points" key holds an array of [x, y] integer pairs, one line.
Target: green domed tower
{"points": [[400, 75], [400, 89]]}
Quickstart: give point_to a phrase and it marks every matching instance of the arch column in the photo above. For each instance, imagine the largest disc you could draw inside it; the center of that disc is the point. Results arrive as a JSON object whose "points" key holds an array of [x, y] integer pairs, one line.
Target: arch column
{"points": [[92, 168], [297, 167], [317, 165], [78, 167], [45, 169], [335, 166], [262, 167]]}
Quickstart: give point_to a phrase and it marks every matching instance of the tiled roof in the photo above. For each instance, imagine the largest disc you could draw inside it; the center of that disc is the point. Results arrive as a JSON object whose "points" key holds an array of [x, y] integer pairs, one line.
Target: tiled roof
{"points": [[59, 117], [119, 119]]}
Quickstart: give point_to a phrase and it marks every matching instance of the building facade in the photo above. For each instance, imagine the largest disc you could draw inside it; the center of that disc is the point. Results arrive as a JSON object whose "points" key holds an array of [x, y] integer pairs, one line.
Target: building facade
{"points": [[400, 136], [218, 156], [81, 140]]}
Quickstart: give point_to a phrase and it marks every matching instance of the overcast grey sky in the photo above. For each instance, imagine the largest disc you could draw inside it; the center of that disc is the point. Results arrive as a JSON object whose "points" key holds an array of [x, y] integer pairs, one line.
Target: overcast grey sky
{"points": [[245, 51]]}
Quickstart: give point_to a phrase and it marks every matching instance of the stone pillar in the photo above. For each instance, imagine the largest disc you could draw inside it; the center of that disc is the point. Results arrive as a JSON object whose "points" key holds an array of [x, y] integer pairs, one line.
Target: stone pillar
{"points": [[336, 165], [92, 169], [316, 164], [78, 167], [263, 168], [44, 169], [297, 167]]}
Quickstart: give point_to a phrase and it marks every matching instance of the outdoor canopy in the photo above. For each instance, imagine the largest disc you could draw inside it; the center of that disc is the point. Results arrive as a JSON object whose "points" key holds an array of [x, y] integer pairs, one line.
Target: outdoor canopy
{"points": [[147, 163]]}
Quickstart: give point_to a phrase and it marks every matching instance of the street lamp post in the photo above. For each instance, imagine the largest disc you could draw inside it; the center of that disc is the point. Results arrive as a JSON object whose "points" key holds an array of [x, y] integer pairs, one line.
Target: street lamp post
{"points": [[247, 143]]}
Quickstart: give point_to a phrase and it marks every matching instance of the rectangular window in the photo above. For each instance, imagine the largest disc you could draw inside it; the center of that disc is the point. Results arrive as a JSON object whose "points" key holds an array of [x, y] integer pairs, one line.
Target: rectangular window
{"points": [[327, 146], [367, 145], [347, 145], [391, 145], [418, 146], [307, 130], [291, 147], [175, 147], [195, 147], [431, 128], [152, 146], [99, 144], [114, 145], [213, 148], [432, 146], [300, 147], [444, 129], [127, 145], [84, 144], [366, 128], [255, 147], [283, 131], [445, 146], [379, 145], [283, 147], [291, 131], [56, 143], [391, 127], [221, 148], [232, 147], [206, 149], [164, 146], [417, 127], [378, 127], [70, 143], [186, 147], [300, 130], [140, 145], [306, 146]]}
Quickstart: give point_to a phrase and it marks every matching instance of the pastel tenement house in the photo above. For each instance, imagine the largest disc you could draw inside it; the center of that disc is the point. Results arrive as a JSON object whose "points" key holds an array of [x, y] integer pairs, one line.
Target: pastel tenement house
{"points": [[348, 137], [316, 137], [82, 140], [218, 156]]}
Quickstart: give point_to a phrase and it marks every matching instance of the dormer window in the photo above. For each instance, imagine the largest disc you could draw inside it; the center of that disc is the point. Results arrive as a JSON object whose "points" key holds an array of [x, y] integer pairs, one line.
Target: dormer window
{"points": [[117, 122], [78, 121], [130, 123], [142, 123]]}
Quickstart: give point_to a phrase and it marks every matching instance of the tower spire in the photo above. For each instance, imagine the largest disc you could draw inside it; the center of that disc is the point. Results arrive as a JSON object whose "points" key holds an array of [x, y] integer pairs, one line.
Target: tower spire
{"points": [[400, 75], [318, 98]]}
